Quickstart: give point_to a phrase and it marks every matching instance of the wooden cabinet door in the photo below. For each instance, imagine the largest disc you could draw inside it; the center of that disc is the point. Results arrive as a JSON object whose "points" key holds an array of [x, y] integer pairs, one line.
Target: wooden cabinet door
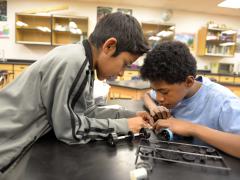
{"points": [[128, 75], [213, 77], [226, 79], [237, 80], [19, 68], [9, 68]]}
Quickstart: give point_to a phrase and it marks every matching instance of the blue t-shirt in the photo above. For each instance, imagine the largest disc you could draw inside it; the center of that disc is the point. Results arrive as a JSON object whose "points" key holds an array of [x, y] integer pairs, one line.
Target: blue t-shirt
{"points": [[213, 105]]}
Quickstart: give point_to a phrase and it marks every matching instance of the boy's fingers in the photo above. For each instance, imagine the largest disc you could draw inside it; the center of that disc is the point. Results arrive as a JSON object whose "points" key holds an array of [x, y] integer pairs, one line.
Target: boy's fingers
{"points": [[146, 125], [168, 114], [164, 115], [160, 124], [160, 116], [149, 119], [151, 122], [148, 116]]}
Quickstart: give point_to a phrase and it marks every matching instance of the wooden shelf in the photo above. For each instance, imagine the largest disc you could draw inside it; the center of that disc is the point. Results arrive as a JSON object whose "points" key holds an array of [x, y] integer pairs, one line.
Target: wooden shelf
{"points": [[220, 55], [217, 29], [28, 32], [33, 42], [69, 32], [64, 35], [152, 29], [32, 28], [215, 47]]}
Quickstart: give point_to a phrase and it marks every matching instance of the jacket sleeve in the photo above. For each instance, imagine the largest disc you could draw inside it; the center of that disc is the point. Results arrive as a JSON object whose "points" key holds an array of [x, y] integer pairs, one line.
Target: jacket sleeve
{"points": [[74, 127], [64, 90]]}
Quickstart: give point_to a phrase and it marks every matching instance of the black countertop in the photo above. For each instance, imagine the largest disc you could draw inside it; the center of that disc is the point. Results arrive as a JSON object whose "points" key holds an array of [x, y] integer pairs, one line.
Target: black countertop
{"points": [[50, 159], [18, 61]]}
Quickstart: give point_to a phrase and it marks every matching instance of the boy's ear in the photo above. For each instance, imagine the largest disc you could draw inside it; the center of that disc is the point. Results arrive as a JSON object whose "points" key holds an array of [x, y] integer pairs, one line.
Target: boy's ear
{"points": [[109, 46], [189, 81]]}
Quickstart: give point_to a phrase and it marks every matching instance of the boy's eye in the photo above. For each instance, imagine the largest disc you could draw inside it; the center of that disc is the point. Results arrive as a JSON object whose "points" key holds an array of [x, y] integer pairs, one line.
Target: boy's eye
{"points": [[127, 64], [164, 92]]}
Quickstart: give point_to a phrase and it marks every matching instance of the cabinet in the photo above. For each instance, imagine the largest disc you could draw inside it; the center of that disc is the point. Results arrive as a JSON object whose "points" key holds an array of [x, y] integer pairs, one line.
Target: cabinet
{"points": [[68, 29], [157, 32], [214, 78], [9, 68], [216, 42], [13, 70], [33, 29], [129, 75], [237, 80], [226, 79], [19, 68], [50, 29]]}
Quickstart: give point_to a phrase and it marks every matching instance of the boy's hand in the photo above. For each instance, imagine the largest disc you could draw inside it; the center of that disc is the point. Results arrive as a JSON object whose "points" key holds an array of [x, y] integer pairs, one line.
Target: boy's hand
{"points": [[177, 126], [160, 112], [136, 123], [146, 117]]}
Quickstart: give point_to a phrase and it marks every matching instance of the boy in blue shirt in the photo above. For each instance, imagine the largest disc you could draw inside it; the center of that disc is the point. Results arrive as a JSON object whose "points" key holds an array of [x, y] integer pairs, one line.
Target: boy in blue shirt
{"points": [[198, 107]]}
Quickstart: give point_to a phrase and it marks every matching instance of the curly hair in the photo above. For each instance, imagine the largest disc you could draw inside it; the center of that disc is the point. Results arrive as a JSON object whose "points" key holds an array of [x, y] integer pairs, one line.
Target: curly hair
{"points": [[169, 61]]}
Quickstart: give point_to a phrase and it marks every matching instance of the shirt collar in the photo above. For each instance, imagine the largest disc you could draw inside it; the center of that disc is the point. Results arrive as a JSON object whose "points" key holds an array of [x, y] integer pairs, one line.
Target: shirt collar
{"points": [[88, 51]]}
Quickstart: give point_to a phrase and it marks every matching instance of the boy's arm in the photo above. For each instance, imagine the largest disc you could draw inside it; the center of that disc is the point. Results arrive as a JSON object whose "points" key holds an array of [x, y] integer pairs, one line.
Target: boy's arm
{"points": [[148, 102], [65, 96], [224, 141], [227, 142], [156, 111], [73, 125]]}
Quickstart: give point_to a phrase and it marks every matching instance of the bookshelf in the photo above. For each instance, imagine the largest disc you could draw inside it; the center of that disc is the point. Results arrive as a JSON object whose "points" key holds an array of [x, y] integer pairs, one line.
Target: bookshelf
{"points": [[216, 42]]}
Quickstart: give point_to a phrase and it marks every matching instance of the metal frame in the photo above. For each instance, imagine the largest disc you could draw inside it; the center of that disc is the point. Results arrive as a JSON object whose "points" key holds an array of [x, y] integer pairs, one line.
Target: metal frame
{"points": [[156, 146]]}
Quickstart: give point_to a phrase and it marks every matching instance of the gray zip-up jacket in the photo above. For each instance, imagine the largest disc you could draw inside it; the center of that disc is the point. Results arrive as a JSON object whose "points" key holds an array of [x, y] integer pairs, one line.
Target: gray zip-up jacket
{"points": [[54, 92]]}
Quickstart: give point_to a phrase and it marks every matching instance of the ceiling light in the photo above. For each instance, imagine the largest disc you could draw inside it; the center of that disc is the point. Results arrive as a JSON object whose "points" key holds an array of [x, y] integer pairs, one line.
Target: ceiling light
{"points": [[230, 4]]}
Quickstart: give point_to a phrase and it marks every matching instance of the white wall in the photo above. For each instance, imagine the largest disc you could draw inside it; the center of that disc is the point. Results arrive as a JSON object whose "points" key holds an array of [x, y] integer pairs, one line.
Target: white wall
{"points": [[185, 22]]}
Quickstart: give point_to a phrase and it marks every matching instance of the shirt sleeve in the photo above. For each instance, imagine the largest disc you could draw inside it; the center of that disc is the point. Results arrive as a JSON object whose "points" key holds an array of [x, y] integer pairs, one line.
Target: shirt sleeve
{"points": [[229, 119], [153, 94]]}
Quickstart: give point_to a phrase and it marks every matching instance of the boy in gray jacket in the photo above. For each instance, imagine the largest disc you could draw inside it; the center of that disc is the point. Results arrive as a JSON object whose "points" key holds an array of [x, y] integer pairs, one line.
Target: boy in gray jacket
{"points": [[56, 91]]}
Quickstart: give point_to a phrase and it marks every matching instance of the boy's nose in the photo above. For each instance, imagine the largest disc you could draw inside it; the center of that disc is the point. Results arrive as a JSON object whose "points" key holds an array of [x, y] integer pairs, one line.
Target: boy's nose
{"points": [[160, 98]]}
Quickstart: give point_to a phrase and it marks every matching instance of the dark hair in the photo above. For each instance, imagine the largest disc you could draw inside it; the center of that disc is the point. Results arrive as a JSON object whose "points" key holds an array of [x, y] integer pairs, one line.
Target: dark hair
{"points": [[125, 29], [169, 61]]}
